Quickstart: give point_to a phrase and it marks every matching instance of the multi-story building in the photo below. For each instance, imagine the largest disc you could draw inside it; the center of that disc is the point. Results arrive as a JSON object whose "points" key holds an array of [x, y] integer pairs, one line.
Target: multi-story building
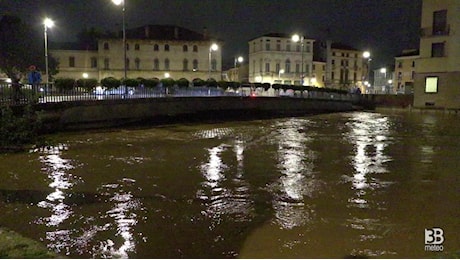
{"points": [[437, 76], [403, 82], [152, 51], [383, 81], [347, 67], [276, 58]]}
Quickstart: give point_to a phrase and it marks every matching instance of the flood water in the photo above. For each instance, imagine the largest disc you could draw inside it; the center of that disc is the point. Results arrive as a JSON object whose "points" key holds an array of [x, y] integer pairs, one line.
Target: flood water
{"points": [[324, 186]]}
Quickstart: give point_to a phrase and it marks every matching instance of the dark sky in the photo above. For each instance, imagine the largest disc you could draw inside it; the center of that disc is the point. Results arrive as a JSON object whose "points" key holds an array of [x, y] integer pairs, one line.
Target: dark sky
{"points": [[385, 27]]}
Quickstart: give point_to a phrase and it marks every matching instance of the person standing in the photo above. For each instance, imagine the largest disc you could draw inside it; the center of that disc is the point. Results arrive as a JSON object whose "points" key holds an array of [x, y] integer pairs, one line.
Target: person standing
{"points": [[34, 77]]}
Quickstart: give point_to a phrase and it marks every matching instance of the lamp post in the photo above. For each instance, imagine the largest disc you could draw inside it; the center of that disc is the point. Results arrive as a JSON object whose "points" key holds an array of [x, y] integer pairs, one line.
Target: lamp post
{"points": [[239, 59], [297, 38], [281, 71], [125, 69], [384, 72], [213, 47], [367, 56], [47, 23]]}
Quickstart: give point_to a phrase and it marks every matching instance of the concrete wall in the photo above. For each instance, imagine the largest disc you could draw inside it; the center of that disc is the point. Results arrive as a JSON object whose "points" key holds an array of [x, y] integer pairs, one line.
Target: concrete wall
{"points": [[109, 113]]}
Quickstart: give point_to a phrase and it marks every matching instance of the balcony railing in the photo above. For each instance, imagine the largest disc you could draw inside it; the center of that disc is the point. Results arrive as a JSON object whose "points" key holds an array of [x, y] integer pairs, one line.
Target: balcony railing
{"points": [[435, 31]]}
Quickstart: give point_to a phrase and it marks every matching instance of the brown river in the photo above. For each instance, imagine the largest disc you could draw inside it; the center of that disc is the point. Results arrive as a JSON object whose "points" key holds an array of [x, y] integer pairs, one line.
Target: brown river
{"points": [[358, 184]]}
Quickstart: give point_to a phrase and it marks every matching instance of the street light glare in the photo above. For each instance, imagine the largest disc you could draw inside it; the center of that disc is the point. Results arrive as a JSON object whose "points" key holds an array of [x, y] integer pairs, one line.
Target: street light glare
{"points": [[295, 38], [240, 59], [117, 2], [383, 70], [48, 23], [214, 47], [366, 54]]}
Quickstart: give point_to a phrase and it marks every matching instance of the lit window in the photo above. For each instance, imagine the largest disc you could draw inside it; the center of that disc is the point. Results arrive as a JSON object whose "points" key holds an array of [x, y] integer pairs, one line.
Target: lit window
{"points": [[431, 84]]}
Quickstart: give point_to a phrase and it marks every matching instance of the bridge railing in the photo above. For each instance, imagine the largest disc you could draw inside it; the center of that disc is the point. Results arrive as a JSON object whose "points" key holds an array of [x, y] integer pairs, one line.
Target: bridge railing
{"points": [[48, 93]]}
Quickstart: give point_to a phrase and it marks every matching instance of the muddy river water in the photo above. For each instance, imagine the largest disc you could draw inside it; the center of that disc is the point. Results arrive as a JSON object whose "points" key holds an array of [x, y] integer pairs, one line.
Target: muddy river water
{"points": [[330, 186]]}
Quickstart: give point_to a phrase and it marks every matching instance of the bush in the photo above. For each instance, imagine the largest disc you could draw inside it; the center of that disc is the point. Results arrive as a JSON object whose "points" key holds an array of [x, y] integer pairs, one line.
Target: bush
{"points": [[110, 82], [168, 82], [151, 83], [65, 84], [183, 82], [211, 83], [16, 131], [87, 84], [131, 82], [198, 82]]}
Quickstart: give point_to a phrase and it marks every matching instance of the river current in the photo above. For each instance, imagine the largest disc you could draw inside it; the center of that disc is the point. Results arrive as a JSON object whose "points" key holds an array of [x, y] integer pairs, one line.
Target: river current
{"points": [[356, 184]]}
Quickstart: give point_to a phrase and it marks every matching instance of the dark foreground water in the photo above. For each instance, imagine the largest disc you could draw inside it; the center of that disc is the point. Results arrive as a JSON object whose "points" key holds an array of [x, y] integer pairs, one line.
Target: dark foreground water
{"points": [[337, 185]]}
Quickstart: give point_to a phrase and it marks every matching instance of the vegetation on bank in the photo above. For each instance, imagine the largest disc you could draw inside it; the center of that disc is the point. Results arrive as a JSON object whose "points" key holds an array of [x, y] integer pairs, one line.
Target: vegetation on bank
{"points": [[13, 245], [17, 130]]}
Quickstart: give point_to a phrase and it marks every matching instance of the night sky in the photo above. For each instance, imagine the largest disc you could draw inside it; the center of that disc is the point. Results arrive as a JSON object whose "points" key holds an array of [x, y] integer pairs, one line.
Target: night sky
{"points": [[385, 27]]}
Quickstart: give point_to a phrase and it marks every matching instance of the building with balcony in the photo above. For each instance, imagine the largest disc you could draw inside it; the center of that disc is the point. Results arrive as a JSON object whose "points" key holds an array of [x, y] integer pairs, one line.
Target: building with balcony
{"points": [[403, 82], [152, 51], [276, 58], [437, 77]]}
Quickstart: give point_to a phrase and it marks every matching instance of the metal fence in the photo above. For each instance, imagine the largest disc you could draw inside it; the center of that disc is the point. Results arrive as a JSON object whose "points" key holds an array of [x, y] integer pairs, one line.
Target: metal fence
{"points": [[48, 93]]}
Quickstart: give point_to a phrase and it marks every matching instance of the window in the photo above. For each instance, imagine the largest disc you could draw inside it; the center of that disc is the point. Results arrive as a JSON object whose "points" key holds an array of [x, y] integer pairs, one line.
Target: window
{"points": [[156, 64], [267, 46], [195, 48], [71, 61], [166, 64], [277, 67], [297, 68], [156, 47], [431, 84], [400, 65], [413, 64], [278, 47], [288, 47], [106, 45], [127, 46], [214, 64], [106, 64], [267, 67], [185, 64], [166, 47], [185, 48], [195, 65], [297, 48], [137, 47], [93, 62], [437, 49], [287, 68], [127, 64], [440, 22], [137, 63]]}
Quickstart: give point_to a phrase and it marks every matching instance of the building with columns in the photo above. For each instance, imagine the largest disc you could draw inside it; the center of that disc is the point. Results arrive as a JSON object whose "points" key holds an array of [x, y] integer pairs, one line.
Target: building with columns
{"points": [[276, 58], [152, 51]]}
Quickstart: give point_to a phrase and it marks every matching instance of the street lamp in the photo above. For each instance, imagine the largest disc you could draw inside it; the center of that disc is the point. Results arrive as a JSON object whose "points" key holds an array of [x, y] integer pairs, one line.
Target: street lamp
{"points": [[47, 23], [213, 47], [367, 56], [239, 59], [297, 38], [125, 69]]}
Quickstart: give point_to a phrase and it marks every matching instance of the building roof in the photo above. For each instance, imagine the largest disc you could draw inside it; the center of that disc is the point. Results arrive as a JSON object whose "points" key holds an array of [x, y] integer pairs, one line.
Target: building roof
{"points": [[278, 35], [341, 46], [408, 53], [165, 32]]}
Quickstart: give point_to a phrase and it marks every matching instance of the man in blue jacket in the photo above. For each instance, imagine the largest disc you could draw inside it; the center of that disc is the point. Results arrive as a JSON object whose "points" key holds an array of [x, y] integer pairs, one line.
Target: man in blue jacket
{"points": [[34, 77]]}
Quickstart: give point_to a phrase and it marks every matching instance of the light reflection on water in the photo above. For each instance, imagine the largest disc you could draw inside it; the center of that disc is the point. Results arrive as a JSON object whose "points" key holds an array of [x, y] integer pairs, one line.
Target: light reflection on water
{"points": [[296, 182], [321, 186]]}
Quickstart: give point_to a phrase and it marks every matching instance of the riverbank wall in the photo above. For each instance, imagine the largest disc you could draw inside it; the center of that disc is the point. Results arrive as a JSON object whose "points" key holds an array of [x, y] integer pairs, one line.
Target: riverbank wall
{"points": [[80, 115]]}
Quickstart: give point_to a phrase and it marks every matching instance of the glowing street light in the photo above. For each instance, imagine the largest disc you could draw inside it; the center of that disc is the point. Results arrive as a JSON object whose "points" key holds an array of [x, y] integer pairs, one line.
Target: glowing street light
{"points": [[297, 38], [85, 75], [213, 47], [47, 23], [125, 69], [281, 71], [239, 59]]}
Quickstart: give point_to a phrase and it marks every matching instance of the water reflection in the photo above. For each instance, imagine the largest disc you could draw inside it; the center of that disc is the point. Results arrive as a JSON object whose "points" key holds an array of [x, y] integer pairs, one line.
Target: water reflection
{"points": [[295, 163], [224, 190], [369, 133], [57, 170], [124, 220]]}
